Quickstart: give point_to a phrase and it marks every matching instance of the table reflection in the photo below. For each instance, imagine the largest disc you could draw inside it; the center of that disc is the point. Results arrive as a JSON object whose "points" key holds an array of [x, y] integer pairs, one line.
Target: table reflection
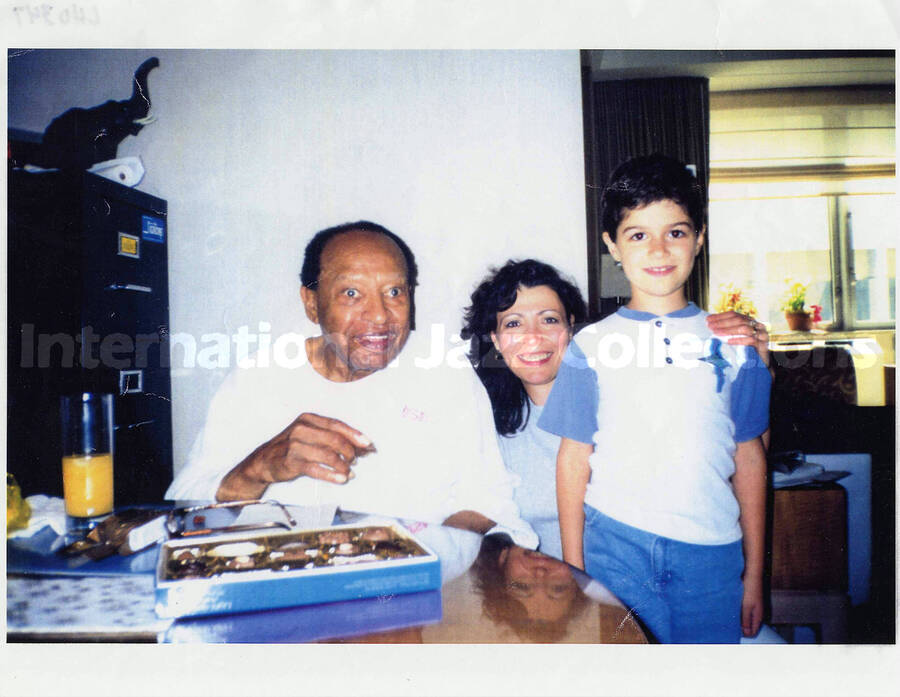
{"points": [[535, 595], [515, 595]]}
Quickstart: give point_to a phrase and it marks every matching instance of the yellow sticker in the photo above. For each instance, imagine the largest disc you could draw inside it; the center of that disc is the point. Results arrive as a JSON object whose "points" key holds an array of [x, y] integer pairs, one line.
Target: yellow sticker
{"points": [[128, 245]]}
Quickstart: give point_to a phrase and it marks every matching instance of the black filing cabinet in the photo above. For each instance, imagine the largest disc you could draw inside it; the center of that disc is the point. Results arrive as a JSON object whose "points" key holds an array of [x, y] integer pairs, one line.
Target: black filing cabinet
{"points": [[88, 310]]}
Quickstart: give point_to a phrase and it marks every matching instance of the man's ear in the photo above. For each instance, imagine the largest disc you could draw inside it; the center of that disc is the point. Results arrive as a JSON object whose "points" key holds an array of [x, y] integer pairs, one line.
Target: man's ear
{"points": [[310, 303], [611, 246]]}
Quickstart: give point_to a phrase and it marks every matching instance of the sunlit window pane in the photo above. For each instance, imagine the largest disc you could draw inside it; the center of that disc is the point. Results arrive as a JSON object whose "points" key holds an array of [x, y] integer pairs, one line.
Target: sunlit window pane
{"points": [[762, 245], [872, 229]]}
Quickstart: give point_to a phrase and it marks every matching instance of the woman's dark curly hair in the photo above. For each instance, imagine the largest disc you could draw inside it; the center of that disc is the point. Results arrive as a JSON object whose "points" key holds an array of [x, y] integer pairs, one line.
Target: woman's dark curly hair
{"points": [[497, 293]]}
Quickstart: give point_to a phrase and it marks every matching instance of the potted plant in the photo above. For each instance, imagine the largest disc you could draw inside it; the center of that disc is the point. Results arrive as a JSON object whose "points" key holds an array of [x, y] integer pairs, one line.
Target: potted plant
{"points": [[732, 298], [816, 315], [798, 317]]}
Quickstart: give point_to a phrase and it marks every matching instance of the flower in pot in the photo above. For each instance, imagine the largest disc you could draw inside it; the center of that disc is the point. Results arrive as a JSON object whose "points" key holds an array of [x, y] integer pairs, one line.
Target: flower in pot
{"points": [[816, 314], [732, 298], [794, 306]]}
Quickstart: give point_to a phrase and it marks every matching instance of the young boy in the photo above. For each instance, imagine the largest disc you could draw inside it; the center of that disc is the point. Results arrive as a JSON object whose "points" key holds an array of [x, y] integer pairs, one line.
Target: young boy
{"points": [[661, 472]]}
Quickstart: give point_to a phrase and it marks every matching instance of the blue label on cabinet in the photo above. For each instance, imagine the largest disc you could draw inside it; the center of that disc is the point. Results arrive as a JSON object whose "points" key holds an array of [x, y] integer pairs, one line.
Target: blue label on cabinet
{"points": [[153, 229]]}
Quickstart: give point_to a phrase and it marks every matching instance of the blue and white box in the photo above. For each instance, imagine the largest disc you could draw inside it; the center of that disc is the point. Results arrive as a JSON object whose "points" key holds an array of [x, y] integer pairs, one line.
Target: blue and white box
{"points": [[241, 572]]}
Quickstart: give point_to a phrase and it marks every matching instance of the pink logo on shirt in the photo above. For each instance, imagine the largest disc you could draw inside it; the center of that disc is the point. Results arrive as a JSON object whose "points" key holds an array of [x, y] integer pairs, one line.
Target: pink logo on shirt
{"points": [[412, 414], [414, 526]]}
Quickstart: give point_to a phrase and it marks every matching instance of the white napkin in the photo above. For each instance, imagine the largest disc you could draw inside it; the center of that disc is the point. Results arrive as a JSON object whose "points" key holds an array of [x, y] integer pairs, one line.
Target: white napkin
{"points": [[124, 170], [45, 510]]}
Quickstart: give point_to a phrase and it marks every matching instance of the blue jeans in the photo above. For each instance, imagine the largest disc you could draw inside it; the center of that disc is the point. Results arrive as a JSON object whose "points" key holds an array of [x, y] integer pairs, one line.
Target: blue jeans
{"points": [[683, 593]]}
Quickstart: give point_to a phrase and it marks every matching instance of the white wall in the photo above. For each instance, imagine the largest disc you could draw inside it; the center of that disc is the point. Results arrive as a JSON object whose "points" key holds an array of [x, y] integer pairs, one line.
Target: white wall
{"points": [[471, 156]]}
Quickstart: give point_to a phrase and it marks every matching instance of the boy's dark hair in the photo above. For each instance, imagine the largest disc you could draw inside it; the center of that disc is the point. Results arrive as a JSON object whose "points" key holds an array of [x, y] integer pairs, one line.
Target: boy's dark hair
{"points": [[312, 257], [496, 293], [648, 179]]}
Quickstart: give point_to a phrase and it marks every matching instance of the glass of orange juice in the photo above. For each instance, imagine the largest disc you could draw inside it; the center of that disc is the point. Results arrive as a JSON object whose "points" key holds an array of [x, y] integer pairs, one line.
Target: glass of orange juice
{"points": [[87, 459]]}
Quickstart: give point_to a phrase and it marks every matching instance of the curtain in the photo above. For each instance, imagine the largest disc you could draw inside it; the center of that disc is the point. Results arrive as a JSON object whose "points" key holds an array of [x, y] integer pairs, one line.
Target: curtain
{"points": [[628, 118]]}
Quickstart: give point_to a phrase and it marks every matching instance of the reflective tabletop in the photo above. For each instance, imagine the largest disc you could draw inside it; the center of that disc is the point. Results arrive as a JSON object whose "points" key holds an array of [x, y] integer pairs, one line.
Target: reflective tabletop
{"points": [[492, 591]]}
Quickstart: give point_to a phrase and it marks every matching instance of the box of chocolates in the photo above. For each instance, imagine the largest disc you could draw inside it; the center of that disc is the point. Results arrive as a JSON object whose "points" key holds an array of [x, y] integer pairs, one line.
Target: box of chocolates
{"points": [[240, 572]]}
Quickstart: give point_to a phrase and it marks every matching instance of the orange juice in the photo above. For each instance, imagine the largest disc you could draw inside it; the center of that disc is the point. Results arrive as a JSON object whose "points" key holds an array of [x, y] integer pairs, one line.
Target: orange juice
{"points": [[88, 484]]}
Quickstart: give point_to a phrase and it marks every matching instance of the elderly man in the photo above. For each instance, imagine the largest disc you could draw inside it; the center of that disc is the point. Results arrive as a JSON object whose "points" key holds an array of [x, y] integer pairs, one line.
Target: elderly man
{"points": [[352, 427]]}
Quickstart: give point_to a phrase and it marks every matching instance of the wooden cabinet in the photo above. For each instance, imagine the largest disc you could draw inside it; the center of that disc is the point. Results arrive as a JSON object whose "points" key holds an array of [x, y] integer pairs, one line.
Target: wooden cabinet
{"points": [[809, 538], [809, 559]]}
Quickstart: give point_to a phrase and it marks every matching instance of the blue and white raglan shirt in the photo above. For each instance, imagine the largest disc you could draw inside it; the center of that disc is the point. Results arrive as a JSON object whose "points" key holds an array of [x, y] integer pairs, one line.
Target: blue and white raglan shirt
{"points": [[664, 402]]}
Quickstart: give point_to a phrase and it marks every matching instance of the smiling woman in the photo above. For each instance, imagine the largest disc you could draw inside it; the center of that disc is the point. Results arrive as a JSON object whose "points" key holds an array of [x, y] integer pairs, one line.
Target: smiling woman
{"points": [[532, 336], [519, 324], [508, 305]]}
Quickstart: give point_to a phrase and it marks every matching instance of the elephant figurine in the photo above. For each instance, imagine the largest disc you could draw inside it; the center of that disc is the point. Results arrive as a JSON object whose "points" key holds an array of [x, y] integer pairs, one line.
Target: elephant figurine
{"points": [[79, 138]]}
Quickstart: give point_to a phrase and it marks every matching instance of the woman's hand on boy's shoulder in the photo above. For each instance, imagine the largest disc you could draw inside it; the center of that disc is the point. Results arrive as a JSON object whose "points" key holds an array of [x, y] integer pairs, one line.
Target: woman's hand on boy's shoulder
{"points": [[741, 330]]}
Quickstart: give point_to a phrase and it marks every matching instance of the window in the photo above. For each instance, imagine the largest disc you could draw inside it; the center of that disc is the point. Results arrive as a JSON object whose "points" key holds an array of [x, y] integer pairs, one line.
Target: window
{"points": [[802, 190], [842, 246], [871, 241]]}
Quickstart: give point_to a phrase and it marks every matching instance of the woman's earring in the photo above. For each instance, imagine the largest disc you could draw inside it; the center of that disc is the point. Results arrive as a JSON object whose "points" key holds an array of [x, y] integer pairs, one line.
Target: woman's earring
{"points": [[618, 264], [498, 356]]}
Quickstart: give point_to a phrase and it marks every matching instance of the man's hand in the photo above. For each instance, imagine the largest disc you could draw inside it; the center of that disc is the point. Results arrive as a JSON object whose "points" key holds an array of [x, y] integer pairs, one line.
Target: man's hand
{"points": [[742, 330], [312, 446]]}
